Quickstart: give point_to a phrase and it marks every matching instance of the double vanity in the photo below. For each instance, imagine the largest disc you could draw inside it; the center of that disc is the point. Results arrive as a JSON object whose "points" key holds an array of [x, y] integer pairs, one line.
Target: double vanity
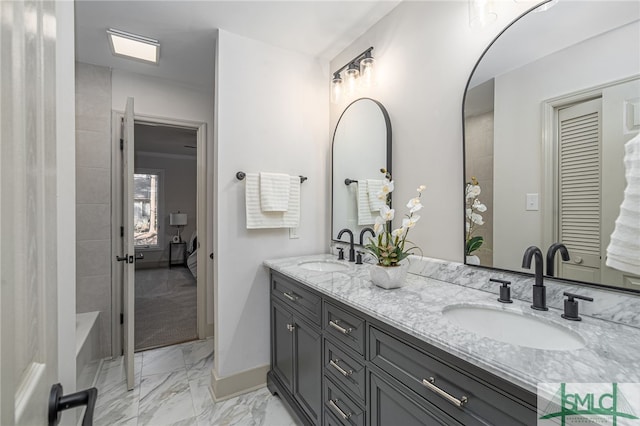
{"points": [[346, 352]]}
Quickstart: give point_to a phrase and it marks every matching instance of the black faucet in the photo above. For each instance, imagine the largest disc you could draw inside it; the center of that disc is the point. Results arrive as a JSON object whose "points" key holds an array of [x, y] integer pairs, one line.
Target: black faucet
{"points": [[352, 252], [539, 290], [364, 231], [551, 254]]}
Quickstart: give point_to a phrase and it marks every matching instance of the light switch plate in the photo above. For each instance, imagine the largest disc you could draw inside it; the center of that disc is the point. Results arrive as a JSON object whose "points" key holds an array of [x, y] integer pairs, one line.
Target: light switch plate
{"points": [[293, 234], [532, 202]]}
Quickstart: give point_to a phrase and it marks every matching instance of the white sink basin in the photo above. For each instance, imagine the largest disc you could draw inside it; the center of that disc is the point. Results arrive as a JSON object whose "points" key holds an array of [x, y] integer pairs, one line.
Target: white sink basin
{"points": [[323, 265], [513, 327]]}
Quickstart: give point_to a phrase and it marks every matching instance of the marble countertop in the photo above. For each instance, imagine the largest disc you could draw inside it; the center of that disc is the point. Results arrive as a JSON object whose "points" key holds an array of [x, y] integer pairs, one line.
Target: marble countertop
{"points": [[611, 354]]}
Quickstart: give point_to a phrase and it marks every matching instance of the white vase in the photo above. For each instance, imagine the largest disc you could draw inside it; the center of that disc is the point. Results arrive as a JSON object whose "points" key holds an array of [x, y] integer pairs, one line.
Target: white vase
{"points": [[472, 260], [389, 277]]}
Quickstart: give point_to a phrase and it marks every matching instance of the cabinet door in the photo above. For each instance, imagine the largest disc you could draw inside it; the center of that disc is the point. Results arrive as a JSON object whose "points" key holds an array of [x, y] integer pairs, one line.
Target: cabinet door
{"points": [[392, 404], [282, 328], [308, 368]]}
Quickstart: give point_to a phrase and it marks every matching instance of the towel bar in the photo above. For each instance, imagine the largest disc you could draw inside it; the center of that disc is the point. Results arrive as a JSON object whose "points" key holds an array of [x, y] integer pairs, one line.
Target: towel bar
{"points": [[242, 175]]}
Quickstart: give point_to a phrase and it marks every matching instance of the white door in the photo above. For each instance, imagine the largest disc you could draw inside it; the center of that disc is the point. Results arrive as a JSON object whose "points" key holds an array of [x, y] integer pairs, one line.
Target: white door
{"points": [[128, 284], [28, 291]]}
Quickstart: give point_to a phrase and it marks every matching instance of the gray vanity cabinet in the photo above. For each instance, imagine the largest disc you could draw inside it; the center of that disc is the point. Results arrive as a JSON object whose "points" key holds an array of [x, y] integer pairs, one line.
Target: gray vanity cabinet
{"points": [[296, 348], [335, 365]]}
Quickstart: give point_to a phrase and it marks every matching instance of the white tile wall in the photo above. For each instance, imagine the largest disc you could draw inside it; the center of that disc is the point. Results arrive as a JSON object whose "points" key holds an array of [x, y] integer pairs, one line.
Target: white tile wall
{"points": [[93, 196]]}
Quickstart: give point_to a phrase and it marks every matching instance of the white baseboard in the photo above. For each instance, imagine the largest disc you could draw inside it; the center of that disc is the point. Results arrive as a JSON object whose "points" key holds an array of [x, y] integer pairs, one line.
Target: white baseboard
{"points": [[223, 388]]}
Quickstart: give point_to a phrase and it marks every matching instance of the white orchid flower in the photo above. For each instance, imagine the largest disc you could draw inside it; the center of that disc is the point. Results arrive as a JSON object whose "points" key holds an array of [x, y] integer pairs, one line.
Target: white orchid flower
{"points": [[396, 233], [421, 188], [473, 191], [468, 212], [479, 206], [387, 213], [410, 222], [387, 186], [414, 205], [477, 219], [378, 226], [467, 226]]}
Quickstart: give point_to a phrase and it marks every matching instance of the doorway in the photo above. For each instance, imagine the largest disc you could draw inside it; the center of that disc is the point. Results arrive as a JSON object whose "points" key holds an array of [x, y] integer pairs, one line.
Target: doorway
{"points": [[165, 233], [168, 301]]}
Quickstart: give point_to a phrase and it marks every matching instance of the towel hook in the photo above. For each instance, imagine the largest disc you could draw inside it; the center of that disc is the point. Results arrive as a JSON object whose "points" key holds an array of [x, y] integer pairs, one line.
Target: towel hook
{"points": [[242, 175]]}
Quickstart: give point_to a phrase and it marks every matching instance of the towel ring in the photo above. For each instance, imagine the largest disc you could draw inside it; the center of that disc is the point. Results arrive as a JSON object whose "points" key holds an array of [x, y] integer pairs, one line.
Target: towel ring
{"points": [[242, 175]]}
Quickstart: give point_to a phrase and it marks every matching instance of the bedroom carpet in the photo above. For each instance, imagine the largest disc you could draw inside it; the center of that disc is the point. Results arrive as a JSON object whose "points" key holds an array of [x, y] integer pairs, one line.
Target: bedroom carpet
{"points": [[165, 307]]}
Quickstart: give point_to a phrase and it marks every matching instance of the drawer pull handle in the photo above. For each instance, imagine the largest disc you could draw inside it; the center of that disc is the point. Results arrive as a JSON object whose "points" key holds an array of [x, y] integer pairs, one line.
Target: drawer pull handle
{"points": [[291, 327], [452, 399], [290, 296], [341, 370], [342, 330], [332, 403]]}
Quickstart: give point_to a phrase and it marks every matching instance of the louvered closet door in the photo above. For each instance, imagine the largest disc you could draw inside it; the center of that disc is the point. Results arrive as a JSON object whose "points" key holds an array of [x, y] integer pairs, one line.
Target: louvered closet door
{"points": [[579, 191]]}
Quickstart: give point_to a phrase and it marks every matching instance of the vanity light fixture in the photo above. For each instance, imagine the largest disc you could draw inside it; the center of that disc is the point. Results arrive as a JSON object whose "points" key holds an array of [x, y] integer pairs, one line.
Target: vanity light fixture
{"points": [[133, 46], [357, 72]]}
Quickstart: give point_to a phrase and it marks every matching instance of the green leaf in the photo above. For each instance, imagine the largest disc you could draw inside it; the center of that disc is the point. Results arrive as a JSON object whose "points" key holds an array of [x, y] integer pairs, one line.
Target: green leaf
{"points": [[473, 244]]}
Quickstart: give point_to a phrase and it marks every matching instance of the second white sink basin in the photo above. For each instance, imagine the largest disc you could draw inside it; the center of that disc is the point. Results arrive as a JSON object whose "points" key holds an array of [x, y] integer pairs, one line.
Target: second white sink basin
{"points": [[513, 327], [323, 265]]}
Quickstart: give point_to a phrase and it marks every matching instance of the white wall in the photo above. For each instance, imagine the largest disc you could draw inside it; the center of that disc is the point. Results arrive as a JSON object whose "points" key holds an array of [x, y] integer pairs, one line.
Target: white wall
{"points": [[168, 99], [271, 116], [425, 52], [519, 95]]}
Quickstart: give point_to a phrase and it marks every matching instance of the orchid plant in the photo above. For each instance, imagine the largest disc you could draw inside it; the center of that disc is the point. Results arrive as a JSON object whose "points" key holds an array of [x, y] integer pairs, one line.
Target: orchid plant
{"points": [[389, 246], [473, 208]]}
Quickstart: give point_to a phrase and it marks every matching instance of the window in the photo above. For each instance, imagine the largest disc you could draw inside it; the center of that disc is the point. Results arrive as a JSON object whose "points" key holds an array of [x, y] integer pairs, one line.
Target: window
{"points": [[146, 209]]}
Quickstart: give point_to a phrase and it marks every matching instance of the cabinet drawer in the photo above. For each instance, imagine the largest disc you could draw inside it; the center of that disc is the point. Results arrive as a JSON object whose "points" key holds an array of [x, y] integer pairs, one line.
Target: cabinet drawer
{"points": [[292, 294], [442, 384], [344, 327], [345, 369], [341, 406], [393, 404]]}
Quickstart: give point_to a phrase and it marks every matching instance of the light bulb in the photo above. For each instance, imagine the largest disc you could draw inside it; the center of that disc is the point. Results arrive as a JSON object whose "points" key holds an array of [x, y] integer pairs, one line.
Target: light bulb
{"points": [[367, 77], [336, 89], [351, 79]]}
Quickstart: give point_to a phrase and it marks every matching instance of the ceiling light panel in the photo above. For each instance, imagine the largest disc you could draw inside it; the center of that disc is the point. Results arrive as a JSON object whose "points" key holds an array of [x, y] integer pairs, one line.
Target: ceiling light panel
{"points": [[133, 46]]}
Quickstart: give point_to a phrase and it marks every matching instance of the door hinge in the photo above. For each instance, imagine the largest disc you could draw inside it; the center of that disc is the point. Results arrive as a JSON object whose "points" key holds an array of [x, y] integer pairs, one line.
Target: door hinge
{"points": [[121, 318], [121, 144], [122, 231]]}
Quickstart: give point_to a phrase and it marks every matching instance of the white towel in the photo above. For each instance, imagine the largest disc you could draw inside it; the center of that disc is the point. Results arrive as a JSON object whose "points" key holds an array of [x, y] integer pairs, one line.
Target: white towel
{"points": [[375, 186], [365, 215], [623, 252], [257, 219], [274, 192]]}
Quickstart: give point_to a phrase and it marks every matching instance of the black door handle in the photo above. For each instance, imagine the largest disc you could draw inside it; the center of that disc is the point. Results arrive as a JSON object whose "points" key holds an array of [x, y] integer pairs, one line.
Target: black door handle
{"points": [[59, 403], [122, 258]]}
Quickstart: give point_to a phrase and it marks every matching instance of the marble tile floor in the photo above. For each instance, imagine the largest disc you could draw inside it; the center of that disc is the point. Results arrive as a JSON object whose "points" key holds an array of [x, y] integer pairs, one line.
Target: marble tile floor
{"points": [[172, 388]]}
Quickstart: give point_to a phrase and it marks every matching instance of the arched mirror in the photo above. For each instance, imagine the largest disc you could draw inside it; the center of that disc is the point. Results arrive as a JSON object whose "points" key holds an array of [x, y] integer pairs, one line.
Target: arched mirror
{"points": [[361, 147], [547, 111]]}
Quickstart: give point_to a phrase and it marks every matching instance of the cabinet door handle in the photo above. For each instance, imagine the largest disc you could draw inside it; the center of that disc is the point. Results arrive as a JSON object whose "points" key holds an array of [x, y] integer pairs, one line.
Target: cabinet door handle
{"points": [[332, 403], [342, 330], [290, 296], [341, 370], [291, 327], [429, 383]]}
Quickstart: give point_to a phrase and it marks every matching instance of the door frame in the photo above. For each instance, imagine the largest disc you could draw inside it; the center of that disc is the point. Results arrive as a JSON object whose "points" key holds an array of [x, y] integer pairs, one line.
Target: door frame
{"points": [[116, 208], [550, 147]]}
